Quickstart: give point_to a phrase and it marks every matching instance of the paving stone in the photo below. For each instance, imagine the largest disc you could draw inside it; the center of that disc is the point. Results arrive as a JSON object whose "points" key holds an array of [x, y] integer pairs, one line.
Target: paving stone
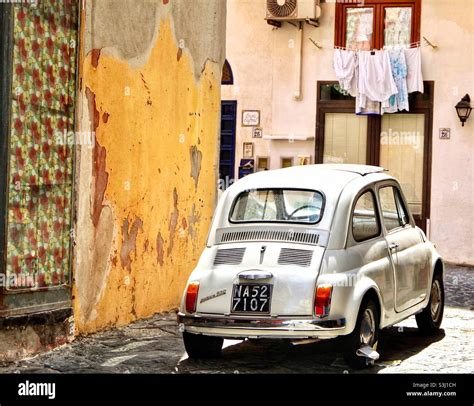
{"points": [[155, 346]]}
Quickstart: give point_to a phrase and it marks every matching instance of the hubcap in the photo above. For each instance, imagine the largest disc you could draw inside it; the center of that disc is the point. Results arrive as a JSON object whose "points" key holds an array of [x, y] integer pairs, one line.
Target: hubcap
{"points": [[436, 298], [367, 328]]}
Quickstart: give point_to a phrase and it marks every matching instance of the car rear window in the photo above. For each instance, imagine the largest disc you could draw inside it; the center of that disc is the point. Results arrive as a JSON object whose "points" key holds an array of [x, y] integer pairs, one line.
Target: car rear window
{"points": [[278, 206]]}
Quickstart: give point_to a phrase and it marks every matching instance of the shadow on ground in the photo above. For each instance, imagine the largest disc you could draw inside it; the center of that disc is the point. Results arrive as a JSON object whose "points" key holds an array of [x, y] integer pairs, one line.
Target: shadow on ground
{"points": [[278, 356]]}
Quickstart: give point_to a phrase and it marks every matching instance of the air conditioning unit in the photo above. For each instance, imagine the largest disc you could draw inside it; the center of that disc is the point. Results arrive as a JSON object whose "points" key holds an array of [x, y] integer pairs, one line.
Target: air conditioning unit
{"points": [[293, 10]]}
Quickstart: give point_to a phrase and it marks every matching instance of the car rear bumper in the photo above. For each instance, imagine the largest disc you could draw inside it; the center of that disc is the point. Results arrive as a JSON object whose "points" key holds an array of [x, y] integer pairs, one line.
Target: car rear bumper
{"points": [[240, 327]]}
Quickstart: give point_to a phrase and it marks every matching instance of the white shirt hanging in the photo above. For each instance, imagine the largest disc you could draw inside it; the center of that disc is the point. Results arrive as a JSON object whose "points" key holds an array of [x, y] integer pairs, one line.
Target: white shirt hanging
{"points": [[375, 76], [345, 63], [414, 76]]}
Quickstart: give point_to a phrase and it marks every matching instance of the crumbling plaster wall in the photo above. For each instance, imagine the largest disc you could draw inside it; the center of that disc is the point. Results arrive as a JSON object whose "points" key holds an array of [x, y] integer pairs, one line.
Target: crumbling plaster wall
{"points": [[149, 87]]}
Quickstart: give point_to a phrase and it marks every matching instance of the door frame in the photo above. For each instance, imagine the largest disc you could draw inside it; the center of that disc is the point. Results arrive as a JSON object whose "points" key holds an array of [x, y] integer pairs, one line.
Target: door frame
{"points": [[234, 134], [419, 104], [6, 67]]}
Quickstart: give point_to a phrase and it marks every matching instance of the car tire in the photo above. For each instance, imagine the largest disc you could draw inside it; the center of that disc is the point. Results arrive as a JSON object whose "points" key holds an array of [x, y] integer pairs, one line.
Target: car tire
{"points": [[366, 332], [429, 320], [199, 346]]}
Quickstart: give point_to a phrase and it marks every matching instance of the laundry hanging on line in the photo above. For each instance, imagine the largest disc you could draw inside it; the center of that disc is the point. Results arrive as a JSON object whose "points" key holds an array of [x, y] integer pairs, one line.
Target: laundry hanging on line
{"points": [[399, 101], [379, 80]]}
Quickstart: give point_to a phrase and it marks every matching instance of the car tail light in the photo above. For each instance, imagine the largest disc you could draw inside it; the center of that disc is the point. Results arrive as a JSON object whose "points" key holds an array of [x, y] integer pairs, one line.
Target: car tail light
{"points": [[191, 297], [322, 301]]}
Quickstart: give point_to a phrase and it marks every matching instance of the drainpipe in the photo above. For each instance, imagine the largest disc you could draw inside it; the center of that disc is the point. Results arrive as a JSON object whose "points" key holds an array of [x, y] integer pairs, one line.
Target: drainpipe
{"points": [[299, 63]]}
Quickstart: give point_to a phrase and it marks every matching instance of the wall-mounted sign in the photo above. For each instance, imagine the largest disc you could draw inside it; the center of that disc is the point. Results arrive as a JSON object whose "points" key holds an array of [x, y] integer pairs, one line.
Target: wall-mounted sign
{"points": [[257, 132], [246, 167], [251, 118], [248, 150], [445, 133]]}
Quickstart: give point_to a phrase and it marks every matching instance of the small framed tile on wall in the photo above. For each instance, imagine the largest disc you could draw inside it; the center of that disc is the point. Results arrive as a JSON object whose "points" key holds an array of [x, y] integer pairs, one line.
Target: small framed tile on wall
{"points": [[257, 132], [445, 133], [248, 150], [251, 118]]}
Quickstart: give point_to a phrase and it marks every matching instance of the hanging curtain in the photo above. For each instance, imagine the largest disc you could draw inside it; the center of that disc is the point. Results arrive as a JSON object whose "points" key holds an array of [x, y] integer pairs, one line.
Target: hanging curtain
{"points": [[41, 156]]}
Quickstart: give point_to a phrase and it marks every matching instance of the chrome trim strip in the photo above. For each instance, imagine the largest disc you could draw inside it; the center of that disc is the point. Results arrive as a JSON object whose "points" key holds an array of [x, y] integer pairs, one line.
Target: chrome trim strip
{"points": [[297, 325], [255, 275]]}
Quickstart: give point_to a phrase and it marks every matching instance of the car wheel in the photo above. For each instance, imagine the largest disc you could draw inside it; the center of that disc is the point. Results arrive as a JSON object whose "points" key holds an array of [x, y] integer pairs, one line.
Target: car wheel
{"points": [[199, 346], [366, 333], [429, 320]]}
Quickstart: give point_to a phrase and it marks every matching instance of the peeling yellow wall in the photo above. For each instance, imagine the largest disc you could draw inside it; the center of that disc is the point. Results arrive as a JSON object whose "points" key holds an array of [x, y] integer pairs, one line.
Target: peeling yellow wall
{"points": [[147, 191]]}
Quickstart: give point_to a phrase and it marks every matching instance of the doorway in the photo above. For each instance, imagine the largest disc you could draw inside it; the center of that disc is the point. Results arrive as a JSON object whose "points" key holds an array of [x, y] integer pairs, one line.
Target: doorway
{"points": [[399, 142], [227, 149]]}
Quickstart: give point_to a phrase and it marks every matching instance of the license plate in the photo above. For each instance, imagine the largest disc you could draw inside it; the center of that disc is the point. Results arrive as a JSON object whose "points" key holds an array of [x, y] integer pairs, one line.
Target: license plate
{"points": [[251, 298]]}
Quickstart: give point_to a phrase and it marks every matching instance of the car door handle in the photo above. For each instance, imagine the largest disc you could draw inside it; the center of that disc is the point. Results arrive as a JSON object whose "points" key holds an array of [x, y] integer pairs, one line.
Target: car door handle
{"points": [[393, 247]]}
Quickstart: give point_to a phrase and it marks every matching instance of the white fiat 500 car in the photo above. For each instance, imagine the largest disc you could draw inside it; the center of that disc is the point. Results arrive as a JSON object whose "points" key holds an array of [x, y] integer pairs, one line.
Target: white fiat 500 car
{"points": [[318, 251]]}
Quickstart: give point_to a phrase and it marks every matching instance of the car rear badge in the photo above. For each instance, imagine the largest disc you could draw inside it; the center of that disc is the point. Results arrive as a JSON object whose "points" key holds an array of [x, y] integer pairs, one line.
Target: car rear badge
{"points": [[214, 296]]}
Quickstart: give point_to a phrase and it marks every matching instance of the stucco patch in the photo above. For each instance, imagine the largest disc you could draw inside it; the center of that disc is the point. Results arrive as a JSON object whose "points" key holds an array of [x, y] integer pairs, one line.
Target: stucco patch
{"points": [[99, 162], [95, 55], [189, 31], [128, 31], [160, 250], [127, 25], [93, 112], [129, 241], [193, 220], [196, 159], [98, 268], [101, 180], [173, 222]]}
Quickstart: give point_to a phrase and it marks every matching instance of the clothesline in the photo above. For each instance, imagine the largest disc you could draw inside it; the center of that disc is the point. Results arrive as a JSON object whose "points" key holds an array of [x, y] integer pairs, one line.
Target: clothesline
{"points": [[412, 45], [416, 44]]}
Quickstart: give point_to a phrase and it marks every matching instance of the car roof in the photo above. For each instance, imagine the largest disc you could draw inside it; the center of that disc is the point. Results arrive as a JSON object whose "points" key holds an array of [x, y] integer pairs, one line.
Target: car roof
{"points": [[326, 176], [362, 170], [339, 184]]}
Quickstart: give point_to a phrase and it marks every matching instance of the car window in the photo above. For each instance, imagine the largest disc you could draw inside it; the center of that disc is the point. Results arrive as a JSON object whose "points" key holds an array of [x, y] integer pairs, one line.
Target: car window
{"points": [[278, 205], [391, 215], [260, 205], [365, 223], [402, 212]]}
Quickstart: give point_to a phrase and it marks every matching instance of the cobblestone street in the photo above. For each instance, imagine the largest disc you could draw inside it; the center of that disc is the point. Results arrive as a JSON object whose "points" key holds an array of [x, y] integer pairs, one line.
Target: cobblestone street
{"points": [[155, 346]]}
